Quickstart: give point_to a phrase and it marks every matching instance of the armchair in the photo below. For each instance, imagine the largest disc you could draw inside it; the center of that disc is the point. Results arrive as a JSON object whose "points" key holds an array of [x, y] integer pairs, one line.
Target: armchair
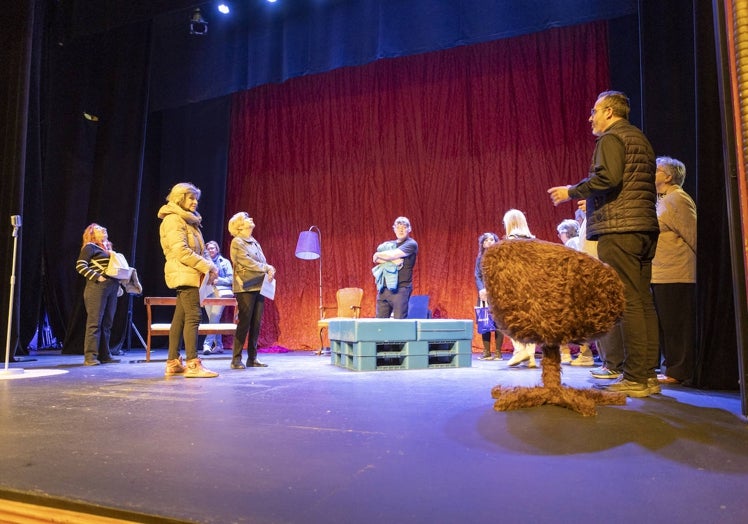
{"points": [[348, 306]]}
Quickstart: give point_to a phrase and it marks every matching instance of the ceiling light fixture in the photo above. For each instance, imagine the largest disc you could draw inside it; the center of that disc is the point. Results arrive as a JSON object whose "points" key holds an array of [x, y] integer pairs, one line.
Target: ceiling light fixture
{"points": [[198, 25]]}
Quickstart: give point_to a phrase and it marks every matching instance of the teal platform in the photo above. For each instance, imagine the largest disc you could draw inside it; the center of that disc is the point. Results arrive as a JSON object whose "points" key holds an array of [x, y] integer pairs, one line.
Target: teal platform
{"points": [[389, 344]]}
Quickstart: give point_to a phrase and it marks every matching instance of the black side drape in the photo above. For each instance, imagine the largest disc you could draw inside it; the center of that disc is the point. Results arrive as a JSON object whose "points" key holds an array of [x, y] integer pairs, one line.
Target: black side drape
{"points": [[92, 91], [183, 145]]}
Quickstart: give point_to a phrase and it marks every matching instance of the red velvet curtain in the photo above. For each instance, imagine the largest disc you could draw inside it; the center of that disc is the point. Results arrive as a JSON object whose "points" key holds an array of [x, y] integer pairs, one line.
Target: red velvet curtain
{"points": [[450, 139]]}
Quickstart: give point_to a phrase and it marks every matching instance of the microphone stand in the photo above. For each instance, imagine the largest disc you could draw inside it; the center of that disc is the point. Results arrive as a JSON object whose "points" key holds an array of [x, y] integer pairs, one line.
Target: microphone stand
{"points": [[15, 220]]}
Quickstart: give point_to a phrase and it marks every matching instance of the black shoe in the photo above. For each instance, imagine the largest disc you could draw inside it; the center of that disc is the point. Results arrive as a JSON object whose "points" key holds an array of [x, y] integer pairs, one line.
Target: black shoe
{"points": [[90, 362], [237, 364], [110, 361], [255, 364]]}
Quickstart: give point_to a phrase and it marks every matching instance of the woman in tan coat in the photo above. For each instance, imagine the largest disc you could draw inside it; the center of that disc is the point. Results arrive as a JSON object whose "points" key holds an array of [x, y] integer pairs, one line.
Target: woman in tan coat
{"points": [[185, 266], [250, 270]]}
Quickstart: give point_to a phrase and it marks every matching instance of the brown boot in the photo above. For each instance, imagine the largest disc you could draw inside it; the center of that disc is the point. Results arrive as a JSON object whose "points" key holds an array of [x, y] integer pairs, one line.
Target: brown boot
{"points": [[174, 367], [195, 369], [486, 351]]}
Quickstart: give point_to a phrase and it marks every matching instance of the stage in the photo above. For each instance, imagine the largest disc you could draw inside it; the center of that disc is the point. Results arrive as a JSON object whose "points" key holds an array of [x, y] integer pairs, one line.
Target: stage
{"points": [[305, 441]]}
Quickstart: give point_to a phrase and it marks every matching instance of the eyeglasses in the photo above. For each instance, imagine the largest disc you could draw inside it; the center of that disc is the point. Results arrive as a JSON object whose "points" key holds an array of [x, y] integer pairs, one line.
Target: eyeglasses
{"points": [[596, 109]]}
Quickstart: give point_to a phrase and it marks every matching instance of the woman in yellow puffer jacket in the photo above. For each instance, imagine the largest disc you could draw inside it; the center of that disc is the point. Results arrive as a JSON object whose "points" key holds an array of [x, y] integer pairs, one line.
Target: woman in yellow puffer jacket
{"points": [[183, 246]]}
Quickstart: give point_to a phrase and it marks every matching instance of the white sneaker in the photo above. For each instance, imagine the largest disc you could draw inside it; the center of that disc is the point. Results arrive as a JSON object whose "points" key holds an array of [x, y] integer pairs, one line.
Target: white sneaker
{"points": [[583, 360], [518, 358], [206, 350]]}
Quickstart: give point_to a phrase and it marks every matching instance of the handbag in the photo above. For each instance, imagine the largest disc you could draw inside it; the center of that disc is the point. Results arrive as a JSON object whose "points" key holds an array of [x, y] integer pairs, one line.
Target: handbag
{"points": [[483, 319]]}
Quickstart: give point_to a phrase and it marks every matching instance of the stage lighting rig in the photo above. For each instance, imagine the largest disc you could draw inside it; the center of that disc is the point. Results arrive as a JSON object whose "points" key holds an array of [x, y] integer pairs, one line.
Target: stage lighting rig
{"points": [[198, 25]]}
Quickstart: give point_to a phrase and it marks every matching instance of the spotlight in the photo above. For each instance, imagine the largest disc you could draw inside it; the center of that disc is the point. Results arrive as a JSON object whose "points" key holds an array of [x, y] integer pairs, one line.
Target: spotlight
{"points": [[198, 25], [223, 8]]}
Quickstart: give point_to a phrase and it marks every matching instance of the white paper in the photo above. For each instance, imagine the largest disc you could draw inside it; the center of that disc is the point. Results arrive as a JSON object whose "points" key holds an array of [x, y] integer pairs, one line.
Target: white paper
{"points": [[205, 289], [268, 288]]}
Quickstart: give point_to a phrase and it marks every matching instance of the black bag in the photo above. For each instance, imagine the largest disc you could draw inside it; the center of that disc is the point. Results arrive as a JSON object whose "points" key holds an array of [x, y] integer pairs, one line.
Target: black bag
{"points": [[483, 319]]}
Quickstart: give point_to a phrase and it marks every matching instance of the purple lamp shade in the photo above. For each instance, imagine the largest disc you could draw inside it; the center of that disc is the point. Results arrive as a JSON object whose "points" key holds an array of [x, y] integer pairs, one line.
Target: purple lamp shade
{"points": [[307, 248]]}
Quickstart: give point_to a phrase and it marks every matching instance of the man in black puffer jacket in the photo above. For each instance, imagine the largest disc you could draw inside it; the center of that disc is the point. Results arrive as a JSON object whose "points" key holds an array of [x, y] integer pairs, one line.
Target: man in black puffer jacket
{"points": [[621, 215]]}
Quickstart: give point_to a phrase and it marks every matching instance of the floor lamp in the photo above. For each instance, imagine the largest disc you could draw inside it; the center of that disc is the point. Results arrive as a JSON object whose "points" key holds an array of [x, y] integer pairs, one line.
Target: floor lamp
{"points": [[15, 221], [309, 247]]}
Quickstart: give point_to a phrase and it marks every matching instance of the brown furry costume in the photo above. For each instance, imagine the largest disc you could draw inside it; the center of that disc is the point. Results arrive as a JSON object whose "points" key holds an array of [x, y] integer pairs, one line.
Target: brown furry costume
{"points": [[551, 295]]}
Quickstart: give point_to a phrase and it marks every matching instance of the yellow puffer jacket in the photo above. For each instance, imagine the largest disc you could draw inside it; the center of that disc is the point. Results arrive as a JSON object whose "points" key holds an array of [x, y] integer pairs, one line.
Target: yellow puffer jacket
{"points": [[183, 246]]}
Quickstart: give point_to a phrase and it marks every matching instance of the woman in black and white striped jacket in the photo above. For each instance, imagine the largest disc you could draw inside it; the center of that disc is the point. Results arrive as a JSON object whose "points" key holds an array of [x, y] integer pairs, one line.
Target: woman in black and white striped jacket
{"points": [[100, 295]]}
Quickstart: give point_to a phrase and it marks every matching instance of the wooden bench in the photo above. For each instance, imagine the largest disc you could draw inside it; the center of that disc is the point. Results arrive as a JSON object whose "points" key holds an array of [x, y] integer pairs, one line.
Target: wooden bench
{"points": [[162, 329]]}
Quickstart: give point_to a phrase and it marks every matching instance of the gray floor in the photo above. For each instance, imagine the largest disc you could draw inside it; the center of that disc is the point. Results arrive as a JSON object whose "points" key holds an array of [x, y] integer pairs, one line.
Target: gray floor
{"points": [[303, 441]]}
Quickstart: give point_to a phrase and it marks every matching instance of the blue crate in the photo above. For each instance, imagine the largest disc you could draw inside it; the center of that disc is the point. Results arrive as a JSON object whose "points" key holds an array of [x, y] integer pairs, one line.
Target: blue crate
{"points": [[337, 346], [411, 348], [372, 330], [336, 326], [444, 329], [454, 360], [450, 347], [337, 358], [379, 349], [356, 363]]}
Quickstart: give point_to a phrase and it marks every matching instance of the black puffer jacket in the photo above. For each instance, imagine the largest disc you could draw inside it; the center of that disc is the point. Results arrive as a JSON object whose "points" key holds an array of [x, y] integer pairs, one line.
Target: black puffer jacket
{"points": [[626, 205]]}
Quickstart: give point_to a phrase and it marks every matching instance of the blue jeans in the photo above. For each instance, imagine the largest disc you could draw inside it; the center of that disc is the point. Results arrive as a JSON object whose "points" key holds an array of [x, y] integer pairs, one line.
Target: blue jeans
{"points": [[630, 254], [214, 317], [185, 323], [100, 299]]}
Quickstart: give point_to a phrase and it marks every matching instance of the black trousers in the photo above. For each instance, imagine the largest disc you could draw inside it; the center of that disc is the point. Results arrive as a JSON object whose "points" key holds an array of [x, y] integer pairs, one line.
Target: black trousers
{"points": [[100, 299], [630, 254], [393, 303], [676, 311], [251, 305], [185, 323]]}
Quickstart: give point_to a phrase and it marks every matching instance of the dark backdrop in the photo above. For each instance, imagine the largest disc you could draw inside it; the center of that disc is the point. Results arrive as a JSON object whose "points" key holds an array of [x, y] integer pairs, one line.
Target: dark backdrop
{"points": [[158, 114]]}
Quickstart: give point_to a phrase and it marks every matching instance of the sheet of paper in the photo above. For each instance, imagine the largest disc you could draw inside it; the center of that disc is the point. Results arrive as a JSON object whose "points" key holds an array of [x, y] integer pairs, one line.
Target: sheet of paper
{"points": [[268, 288], [205, 290]]}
